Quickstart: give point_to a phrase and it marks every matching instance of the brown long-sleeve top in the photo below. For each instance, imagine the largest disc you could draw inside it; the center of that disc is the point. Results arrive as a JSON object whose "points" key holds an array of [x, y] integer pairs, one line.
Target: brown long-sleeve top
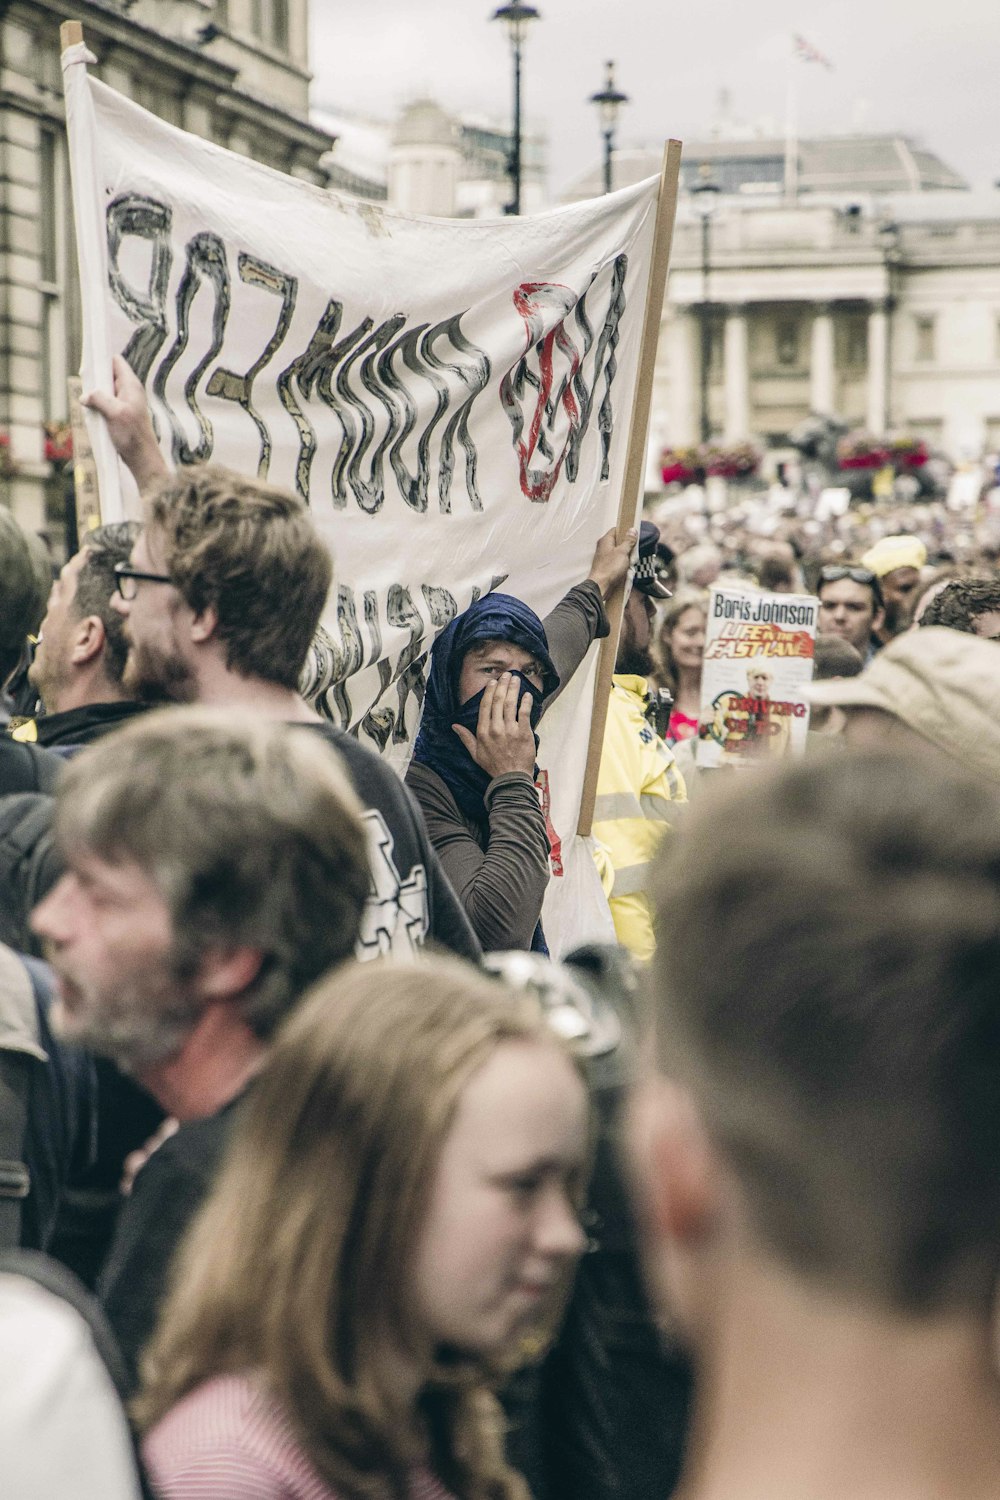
{"points": [[500, 871]]}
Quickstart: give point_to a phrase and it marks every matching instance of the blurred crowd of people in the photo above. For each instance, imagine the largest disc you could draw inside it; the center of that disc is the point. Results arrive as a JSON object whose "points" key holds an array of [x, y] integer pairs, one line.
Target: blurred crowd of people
{"points": [[320, 1179]]}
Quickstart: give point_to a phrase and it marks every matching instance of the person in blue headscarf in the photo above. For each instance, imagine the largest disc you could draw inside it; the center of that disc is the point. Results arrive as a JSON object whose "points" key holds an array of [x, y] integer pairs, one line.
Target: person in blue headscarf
{"points": [[493, 672]]}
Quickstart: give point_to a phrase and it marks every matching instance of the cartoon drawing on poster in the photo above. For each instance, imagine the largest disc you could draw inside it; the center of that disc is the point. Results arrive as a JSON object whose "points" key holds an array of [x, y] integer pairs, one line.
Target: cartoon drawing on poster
{"points": [[758, 658]]}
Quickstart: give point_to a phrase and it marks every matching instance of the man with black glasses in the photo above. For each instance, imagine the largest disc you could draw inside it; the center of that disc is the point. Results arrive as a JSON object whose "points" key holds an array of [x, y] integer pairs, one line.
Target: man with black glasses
{"points": [[851, 606], [221, 600]]}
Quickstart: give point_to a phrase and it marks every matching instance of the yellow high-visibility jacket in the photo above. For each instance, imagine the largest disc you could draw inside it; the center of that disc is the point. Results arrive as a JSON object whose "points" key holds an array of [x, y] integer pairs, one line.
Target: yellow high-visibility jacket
{"points": [[638, 789]]}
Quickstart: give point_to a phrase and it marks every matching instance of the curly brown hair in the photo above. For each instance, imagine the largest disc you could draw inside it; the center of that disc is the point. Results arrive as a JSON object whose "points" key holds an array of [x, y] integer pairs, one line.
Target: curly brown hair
{"points": [[959, 604]]}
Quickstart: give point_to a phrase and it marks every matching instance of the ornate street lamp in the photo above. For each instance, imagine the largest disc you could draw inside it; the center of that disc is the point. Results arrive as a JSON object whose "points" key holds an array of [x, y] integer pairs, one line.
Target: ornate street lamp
{"points": [[706, 194], [609, 103], [516, 17]]}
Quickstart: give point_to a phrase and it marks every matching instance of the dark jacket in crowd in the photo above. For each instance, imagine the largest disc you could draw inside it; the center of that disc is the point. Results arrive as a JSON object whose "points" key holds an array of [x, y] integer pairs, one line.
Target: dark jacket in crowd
{"points": [[27, 768], [79, 726], [411, 897]]}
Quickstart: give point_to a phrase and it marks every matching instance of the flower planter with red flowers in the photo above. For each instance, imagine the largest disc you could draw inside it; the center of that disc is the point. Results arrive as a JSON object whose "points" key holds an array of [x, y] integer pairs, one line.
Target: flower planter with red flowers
{"points": [[691, 465], [860, 450], [58, 442]]}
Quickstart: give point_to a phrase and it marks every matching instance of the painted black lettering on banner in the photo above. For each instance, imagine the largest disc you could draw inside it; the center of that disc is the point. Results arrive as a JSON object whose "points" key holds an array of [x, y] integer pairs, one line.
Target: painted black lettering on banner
{"points": [[205, 266], [135, 215], [332, 662], [402, 393], [324, 371], [239, 388], [545, 308], [356, 421], [303, 371], [605, 360], [475, 375]]}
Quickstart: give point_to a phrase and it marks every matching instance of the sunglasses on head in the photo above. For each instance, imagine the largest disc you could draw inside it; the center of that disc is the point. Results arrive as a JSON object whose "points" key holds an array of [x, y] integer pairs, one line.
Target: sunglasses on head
{"points": [[834, 573]]}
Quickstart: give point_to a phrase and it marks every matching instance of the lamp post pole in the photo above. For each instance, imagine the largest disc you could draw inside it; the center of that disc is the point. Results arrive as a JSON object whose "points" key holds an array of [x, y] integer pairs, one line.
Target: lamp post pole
{"points": [[609, 102], [516, 17], [707, 191], [891, 254]]}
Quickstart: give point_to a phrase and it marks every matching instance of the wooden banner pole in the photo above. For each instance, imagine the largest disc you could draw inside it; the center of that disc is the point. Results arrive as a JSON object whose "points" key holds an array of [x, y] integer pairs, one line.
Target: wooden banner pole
{"points": [[635, 463], [91, 248]]}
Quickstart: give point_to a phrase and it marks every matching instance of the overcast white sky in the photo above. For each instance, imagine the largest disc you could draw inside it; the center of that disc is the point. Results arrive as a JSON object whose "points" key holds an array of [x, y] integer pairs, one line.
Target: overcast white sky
{"points": [[927, 69]]}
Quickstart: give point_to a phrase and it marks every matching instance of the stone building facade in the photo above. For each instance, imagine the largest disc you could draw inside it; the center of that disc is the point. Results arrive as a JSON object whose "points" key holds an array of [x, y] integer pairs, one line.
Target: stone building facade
{"points": [[887, 318], [429, 161], [233, 71], [872, 295]]}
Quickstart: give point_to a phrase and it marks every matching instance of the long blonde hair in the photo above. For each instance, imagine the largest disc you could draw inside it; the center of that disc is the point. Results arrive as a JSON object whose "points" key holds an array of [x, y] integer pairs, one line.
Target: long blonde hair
{"points": [[296, 1269]]}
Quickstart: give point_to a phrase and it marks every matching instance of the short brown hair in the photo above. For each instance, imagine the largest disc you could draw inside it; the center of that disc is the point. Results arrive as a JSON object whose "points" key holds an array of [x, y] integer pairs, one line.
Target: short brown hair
{"points": [[96, 582], [249, 829], [828, 985], [249, 551], [298, 1267]]}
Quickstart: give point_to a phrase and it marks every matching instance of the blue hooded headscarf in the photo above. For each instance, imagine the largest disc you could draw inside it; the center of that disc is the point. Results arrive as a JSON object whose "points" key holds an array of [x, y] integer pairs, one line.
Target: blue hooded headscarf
{"points": [[497, 617]]}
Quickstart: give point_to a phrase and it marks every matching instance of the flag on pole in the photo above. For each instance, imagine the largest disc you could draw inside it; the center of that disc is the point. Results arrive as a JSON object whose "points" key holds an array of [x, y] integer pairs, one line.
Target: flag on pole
{"points": [[806, 52]]}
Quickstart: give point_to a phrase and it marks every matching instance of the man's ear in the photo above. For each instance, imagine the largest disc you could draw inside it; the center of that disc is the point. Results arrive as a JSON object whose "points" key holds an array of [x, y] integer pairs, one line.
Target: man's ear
{"points": [[677, 1194], [89, 640], [674, 1163], [205, 624], [224, 973], [878, 619]]}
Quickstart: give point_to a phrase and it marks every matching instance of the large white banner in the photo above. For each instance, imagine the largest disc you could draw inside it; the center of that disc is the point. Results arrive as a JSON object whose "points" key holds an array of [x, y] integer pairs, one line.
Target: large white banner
{"points": [[452, 398]]}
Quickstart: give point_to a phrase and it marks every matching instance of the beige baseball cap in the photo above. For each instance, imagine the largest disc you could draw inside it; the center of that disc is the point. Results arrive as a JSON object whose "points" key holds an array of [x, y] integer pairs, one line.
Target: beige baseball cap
{"points": [[943, 684]]}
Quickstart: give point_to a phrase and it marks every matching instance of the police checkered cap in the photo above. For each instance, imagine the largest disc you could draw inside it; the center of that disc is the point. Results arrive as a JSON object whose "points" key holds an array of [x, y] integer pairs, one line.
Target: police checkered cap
{"points": [[647, 570]]}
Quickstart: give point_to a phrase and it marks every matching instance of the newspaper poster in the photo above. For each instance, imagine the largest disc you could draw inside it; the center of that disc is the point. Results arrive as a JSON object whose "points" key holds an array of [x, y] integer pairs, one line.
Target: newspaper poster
{"points": [[759, 651]]}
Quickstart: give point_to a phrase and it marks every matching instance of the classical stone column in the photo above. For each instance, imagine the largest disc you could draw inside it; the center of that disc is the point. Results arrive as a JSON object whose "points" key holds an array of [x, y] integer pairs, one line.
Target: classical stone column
{"points": [[736, 376], [878, 368], [682, 368], [822, 370]]}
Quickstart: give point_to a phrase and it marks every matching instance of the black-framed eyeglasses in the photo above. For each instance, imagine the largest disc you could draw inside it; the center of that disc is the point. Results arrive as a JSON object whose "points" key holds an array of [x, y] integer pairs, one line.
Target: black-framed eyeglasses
{"points": [[127, 578]]}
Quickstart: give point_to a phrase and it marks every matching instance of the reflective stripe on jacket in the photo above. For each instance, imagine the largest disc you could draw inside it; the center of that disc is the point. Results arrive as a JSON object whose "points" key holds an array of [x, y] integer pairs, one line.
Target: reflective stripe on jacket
{"points": [[638, 789]]}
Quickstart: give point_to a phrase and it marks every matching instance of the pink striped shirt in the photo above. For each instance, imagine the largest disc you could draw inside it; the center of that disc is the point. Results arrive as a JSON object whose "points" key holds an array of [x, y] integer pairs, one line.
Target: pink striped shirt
{"points": [[227, 1440]]}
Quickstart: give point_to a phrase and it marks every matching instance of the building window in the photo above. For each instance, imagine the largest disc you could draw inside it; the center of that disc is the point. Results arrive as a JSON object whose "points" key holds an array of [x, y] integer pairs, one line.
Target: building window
{"points": [[924, 339], [269, 22], [60, 334], [996, 340], [279, 24], [786, 341], [222, 12]]}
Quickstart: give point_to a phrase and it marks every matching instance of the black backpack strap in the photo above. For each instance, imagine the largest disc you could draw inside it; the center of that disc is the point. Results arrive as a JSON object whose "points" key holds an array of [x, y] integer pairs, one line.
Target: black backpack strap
{"points": [[20, 1050]]}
